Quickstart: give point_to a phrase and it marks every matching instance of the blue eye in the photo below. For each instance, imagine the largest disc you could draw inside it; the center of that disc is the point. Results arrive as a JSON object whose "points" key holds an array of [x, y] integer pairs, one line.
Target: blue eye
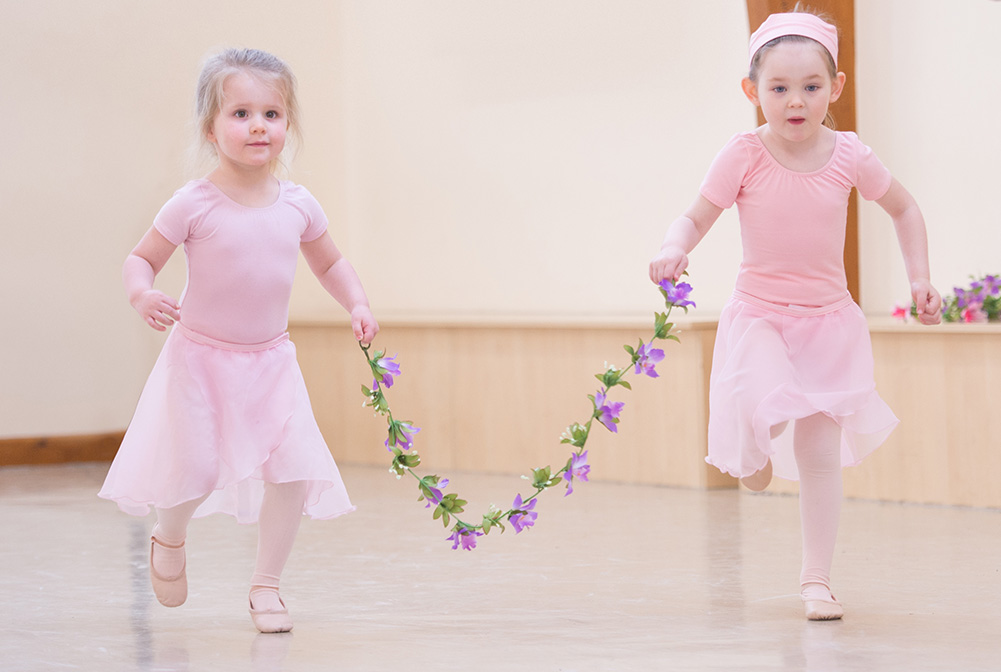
{"points": [[779, 89], [813, 87]]}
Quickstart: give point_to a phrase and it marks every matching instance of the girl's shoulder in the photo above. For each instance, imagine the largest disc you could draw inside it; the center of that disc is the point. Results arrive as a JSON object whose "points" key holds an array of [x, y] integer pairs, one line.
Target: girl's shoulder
{"points": [[850, 144], [302, 200], [294, 192]]}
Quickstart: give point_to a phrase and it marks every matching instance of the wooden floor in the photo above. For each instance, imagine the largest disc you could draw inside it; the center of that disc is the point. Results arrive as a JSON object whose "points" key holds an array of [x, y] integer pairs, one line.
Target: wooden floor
{"points": [[613, 577]]}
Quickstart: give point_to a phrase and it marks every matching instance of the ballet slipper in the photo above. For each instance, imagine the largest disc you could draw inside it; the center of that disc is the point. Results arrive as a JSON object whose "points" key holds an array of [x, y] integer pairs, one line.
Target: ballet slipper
{"points": [[760, 479], [823, 610], [270, 620], [173, 591]]}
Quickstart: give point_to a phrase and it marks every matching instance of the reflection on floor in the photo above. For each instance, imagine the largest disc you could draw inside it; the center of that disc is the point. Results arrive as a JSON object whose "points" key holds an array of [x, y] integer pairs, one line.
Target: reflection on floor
{"points": [[612, 578]]}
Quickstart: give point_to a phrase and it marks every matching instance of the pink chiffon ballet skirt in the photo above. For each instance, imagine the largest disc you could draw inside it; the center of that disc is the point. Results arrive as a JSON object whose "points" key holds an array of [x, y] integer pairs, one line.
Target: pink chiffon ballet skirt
{"points": [[225, 419], [775, 363]]}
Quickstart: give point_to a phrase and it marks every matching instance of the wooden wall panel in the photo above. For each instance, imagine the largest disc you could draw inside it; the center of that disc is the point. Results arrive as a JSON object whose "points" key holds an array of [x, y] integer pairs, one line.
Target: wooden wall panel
{"points": [[496, 399]]}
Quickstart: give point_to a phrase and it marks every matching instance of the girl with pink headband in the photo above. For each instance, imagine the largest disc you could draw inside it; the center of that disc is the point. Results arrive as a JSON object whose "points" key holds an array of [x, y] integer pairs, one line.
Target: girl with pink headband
{"points": [[792, 391]]}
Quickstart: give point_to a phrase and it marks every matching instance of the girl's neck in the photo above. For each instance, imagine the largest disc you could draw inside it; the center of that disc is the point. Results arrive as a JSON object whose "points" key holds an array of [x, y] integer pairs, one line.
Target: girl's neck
{"points": [[803, 156], [253, 189]]}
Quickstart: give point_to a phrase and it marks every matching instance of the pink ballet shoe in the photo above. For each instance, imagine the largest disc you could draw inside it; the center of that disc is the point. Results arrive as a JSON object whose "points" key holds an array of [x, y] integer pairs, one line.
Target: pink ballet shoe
{"points": [[760, 479], [270, 620], [173, 591], [823, 610]]}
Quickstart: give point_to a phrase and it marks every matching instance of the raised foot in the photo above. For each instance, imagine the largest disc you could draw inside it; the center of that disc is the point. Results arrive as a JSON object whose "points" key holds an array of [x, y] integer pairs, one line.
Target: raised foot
{"points": [[759, 480]]}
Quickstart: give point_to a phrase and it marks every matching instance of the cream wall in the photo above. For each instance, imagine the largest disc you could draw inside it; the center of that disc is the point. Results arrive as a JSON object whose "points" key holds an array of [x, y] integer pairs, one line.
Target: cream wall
{"points": [[929, 94], [523, 158], [477, 159], [96, 98]]}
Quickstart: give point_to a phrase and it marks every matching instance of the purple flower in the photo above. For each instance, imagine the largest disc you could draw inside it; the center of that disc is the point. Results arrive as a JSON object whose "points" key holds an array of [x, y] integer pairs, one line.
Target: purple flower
{"points": [[992, 285], [677, 294], [401, 435], [386, 368], [962, 297], [523, 515], [434, 495], [607, 413], [579, 468], [648, 358], [465, 537]]}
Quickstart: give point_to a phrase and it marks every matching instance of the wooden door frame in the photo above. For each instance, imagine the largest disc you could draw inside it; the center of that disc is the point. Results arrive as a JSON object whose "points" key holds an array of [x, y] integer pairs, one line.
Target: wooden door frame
{"points": [[842, 13]]}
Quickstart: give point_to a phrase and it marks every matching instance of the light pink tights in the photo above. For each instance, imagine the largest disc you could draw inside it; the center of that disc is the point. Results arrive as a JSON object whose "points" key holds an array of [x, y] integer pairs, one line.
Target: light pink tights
{"points": [[817, 445], [278, 524]]}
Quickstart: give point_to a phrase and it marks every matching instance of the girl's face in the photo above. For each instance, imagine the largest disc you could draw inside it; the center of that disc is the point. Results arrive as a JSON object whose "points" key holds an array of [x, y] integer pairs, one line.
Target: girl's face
{"points": [[249, 129], [794, 89]]}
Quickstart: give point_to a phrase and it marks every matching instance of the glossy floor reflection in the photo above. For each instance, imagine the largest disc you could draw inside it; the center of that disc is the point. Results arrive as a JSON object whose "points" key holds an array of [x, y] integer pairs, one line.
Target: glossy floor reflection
{"points": [[612, 578]]}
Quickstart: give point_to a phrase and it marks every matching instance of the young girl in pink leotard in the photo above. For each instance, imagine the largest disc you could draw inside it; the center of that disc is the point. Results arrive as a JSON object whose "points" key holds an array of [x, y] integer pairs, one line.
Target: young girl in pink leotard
{"points": [[224, 423], [791, 389]]}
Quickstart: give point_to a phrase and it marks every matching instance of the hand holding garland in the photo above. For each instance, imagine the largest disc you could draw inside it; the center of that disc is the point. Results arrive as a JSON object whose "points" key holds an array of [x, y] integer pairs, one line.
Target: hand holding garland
{"points": [[521, 515]]}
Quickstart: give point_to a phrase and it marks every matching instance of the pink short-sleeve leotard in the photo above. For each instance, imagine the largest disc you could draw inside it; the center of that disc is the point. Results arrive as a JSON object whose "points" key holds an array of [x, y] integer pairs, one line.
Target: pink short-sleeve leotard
{"points": [[791, 343], [792, 225], [225, 409], [241, 260]]}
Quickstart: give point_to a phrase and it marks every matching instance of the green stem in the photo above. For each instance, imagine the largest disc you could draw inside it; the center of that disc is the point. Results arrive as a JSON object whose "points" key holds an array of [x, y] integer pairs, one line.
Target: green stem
{"points": [[538, 491]]}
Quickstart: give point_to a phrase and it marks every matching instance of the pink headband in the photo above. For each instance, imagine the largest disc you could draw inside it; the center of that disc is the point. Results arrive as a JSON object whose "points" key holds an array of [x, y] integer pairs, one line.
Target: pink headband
{"points": [[796, 23]]}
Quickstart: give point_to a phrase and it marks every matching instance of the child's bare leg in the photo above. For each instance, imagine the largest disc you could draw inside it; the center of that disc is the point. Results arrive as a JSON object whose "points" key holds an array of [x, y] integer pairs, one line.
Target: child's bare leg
{"points": [[760, 479], [281, 514], [817, 444]]}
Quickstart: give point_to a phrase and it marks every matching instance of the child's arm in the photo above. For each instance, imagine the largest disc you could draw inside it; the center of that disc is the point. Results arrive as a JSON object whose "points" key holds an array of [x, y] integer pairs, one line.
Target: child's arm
{"points": [[338, 277], [141, 266], [682, 237], [913, 239]]}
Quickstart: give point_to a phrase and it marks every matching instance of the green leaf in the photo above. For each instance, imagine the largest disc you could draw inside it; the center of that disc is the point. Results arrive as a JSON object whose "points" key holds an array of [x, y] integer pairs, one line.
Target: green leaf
{"points": [[630, 350], [541, 477], [625, 384]]}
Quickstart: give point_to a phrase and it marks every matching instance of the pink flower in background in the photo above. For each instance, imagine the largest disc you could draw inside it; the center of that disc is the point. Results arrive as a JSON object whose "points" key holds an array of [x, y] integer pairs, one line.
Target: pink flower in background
{"points": [[974, 312], [900, 313]]}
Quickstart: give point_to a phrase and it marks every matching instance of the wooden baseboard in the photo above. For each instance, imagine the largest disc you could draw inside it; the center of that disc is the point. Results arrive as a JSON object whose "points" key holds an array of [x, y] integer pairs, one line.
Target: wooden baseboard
{"points": [[60, 449]]}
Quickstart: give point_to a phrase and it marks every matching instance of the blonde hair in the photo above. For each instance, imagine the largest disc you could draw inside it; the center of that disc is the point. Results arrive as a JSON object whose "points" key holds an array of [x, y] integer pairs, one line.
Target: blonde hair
{"points": [[832, 68], [209, 98]]}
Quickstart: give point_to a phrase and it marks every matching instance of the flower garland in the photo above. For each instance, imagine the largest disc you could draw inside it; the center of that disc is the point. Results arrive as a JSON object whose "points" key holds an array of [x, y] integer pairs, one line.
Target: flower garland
{"points": [[980, 302], [521, 515]]}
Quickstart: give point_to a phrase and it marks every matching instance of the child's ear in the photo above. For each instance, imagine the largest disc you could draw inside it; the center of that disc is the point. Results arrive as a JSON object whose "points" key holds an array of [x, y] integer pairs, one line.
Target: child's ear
{"points": [[750, 90], [837, 86]]}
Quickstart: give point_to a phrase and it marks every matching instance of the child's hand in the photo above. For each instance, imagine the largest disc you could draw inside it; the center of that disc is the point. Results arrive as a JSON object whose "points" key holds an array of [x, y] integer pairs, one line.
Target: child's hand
{"points": [[927, 301], [157, 309], [670, 263], [363, 324]]}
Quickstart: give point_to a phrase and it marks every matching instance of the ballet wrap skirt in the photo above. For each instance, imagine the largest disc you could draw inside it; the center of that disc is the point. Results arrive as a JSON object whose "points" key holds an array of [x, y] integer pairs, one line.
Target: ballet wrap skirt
{"points": [[223, 418], [774, 363]]}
